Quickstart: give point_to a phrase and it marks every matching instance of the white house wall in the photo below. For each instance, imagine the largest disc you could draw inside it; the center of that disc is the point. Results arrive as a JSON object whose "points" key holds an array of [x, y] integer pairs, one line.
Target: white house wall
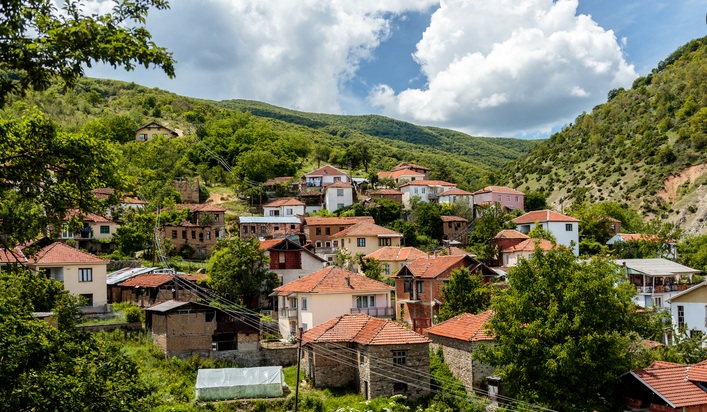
{"points": [[332, 201]]}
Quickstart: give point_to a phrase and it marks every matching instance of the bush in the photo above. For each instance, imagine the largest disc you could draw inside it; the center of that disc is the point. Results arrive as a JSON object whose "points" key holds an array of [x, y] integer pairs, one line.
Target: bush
{"points": [[133, 314]]}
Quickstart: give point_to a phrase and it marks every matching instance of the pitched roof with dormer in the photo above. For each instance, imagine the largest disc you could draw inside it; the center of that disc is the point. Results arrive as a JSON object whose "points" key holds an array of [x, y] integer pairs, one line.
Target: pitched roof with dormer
{"points": [[529, 245], [332, 279], [466, 327], [543, 216], [364, 330], [366, 229], [285, 201], [326, 170], [499, 189], [59, 253], [677, 384], [396, 254]]}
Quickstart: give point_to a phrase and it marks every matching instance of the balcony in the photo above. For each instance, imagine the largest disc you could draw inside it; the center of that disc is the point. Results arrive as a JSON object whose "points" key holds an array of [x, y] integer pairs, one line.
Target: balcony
{"points": [[388, 312], [663, 289], [287, 313]]}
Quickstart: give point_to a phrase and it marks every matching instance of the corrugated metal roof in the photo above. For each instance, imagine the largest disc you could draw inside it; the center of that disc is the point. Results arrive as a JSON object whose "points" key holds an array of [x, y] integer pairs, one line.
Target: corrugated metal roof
{"points": [[656, 267], [124, 274]]}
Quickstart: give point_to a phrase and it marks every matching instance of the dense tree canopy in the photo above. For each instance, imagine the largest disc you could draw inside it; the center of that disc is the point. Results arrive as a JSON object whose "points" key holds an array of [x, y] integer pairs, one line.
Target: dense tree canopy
{"points": [[465, 293]]}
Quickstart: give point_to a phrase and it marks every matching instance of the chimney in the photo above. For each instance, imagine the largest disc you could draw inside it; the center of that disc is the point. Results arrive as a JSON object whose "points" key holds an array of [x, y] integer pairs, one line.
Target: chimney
{"points": [[348, 282]]}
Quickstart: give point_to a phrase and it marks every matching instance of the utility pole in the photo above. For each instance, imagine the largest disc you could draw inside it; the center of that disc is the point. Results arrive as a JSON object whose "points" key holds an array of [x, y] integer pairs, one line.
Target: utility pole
{"points": [[299, 357]]}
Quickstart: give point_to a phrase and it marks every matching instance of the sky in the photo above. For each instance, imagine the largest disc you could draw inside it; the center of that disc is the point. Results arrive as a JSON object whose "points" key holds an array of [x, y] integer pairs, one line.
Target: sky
{"points": [[501, 68]]}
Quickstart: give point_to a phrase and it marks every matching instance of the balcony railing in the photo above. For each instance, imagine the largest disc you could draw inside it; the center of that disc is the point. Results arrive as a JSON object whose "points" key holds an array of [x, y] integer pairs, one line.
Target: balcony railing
{"points": [[388, 312], [663, 289], [287, 313]]}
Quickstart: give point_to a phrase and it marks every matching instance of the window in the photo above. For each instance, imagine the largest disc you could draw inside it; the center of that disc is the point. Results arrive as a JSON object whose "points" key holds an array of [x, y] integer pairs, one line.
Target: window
{"points": [[208, 235], [694, 333], [201, 236], [288, 212], [304, 303], [184, 234], [681, 316], [361, 242], [276, 228], [400, 387], [292, 227], [384, 241], [105, 229], [415, 190], [174, 234], [327, 231], [658, 302], [263, 229], [399, 357], [341, 228], [365, 301], [318, 244], [500, 198], [337, 178], [293, 303], [336, 243], [420, 288], [274, 213], [517, 199], [193, 234], [508, 198], [88, 297], [387, 269], [423, 190], [216, 218], [66, 234], [318, 231], [327, 244], [407, 286], [143, 136], [85, 275], [339, 192], [568, 227]]}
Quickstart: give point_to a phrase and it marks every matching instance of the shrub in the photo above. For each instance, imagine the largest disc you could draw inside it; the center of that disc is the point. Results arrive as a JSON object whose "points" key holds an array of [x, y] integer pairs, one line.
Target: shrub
{"points": [[133, 314]]}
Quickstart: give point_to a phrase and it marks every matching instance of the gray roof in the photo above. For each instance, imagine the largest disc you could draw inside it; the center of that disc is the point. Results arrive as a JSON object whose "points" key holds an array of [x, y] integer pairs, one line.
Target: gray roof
{"points": [[656, 267], [173, 304], [270, 219], [121, 275]]}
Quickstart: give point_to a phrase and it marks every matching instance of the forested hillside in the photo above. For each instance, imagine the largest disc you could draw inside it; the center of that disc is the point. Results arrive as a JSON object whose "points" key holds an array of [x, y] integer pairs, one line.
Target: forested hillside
{"points": [[646, 147]]}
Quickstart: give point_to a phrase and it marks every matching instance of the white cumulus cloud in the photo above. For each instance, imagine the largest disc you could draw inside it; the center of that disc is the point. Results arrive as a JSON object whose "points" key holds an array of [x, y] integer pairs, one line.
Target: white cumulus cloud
{"points": [[499, 67]]}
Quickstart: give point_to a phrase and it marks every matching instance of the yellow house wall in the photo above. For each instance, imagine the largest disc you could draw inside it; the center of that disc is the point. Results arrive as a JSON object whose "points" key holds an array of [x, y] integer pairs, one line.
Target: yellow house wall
{"points": [[697, 296]]}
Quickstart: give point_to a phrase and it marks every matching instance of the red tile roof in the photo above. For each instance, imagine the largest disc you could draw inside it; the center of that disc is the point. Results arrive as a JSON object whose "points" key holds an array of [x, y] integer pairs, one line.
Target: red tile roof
{"points": [[510, 234], [327, 170], [446, 219], [332, 279], [12, 256], [634, 237], [340, 185], [364, 330], [313, 221], [58, 253], [466, 327], [385, 192], [501, 189], [544, 216], [529, 245], [193, 276], [401, 172], [433, 266], [396, 254], [285, 201], [428, 183], [268, 243], [366, 229], [677, 384], [455, 192], [405, 165], [147, 280], [86, 217]]}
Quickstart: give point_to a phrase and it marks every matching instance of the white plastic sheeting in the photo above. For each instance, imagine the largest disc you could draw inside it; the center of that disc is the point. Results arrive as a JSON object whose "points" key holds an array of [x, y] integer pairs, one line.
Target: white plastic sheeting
{"points": [[235, 383]]}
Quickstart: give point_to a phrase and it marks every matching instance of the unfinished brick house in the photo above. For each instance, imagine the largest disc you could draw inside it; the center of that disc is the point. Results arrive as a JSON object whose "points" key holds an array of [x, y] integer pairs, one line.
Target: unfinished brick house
{"points": [[290, 260], [183, 329], [458, 337], [376, 355], [149, 289], [418, 286], [205, 225], [454, 229]]}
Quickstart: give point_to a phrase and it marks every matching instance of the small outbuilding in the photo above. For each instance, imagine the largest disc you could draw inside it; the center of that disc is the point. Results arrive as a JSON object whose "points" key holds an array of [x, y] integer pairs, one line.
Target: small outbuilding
{"points": [[236, 383]]}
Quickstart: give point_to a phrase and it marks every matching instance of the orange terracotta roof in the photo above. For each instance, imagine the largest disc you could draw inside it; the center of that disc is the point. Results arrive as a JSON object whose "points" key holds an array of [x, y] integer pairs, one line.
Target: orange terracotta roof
{"points": [[635, 237], [455, 192], [285, 201], [386, 192], [500, 189], [86, 216], [12, 256], [102, 192], [366, 229], [458, 251], [268, 243], [147, 280], [428, 183], [313, 221], [677, 384], [446, 219], [396, 254], [340, 185], [327, 170], [193, 276], [466, 327], [433, 266], [364, 330], [396, 174], [332, 279], [544, 216], [529, 245], [58, 253], [510, 234]]}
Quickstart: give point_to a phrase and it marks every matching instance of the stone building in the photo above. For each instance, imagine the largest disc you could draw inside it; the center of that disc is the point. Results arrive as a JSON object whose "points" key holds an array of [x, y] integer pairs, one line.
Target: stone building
{"points": [[458, 337], [379, 356], [183, 329]]}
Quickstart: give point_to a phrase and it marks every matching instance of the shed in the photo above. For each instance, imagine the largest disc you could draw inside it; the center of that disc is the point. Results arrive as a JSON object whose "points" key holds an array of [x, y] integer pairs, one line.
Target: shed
{"points": [[236, 383]]}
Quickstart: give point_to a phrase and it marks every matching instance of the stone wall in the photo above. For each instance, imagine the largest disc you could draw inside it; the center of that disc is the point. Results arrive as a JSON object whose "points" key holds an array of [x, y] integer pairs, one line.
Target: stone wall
{"points": [[458, 356], [383, 375], [329, 369], [283, 356]]}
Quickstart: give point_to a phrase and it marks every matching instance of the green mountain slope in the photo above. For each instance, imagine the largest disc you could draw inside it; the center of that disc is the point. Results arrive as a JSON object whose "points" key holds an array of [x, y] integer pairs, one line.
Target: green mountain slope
{"points": [[645, 147]]}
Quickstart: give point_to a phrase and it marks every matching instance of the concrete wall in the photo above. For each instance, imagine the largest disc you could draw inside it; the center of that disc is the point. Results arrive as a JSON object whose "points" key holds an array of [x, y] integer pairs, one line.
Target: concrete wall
{"points": [[565, 237], [458, 357], [332, 200], [97, 287]]}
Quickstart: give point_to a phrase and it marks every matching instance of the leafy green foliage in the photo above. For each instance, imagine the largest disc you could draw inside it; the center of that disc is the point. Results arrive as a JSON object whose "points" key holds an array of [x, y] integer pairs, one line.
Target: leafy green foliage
{"points": [[451, 394], [490, 220], [692, 251], [562, 324], [465, 293]]}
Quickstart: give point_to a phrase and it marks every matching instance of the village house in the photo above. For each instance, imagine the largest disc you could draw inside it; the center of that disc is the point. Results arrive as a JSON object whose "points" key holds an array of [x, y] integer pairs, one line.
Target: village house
{"points": [[332, 291], [126, 202], [418, 286], [205, 225], [390, 194], [12, 257], [184, 329], [366, 238], [511, 255], [378, 356], [656, 280], [95, 233], [287, 206], [150, 289], [80, 272], [564, 228], [454, 230], [267, 227], [689, 310], [450, 196], [425, 190], [319, 229], [338, 195], [188, 189], [413, 167], [666, 387], [324, 176], [507, 198], [287, 182], [668, 248], [402, 175], [153, 130], [290, 260], [458, 338], [393, 258]]}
